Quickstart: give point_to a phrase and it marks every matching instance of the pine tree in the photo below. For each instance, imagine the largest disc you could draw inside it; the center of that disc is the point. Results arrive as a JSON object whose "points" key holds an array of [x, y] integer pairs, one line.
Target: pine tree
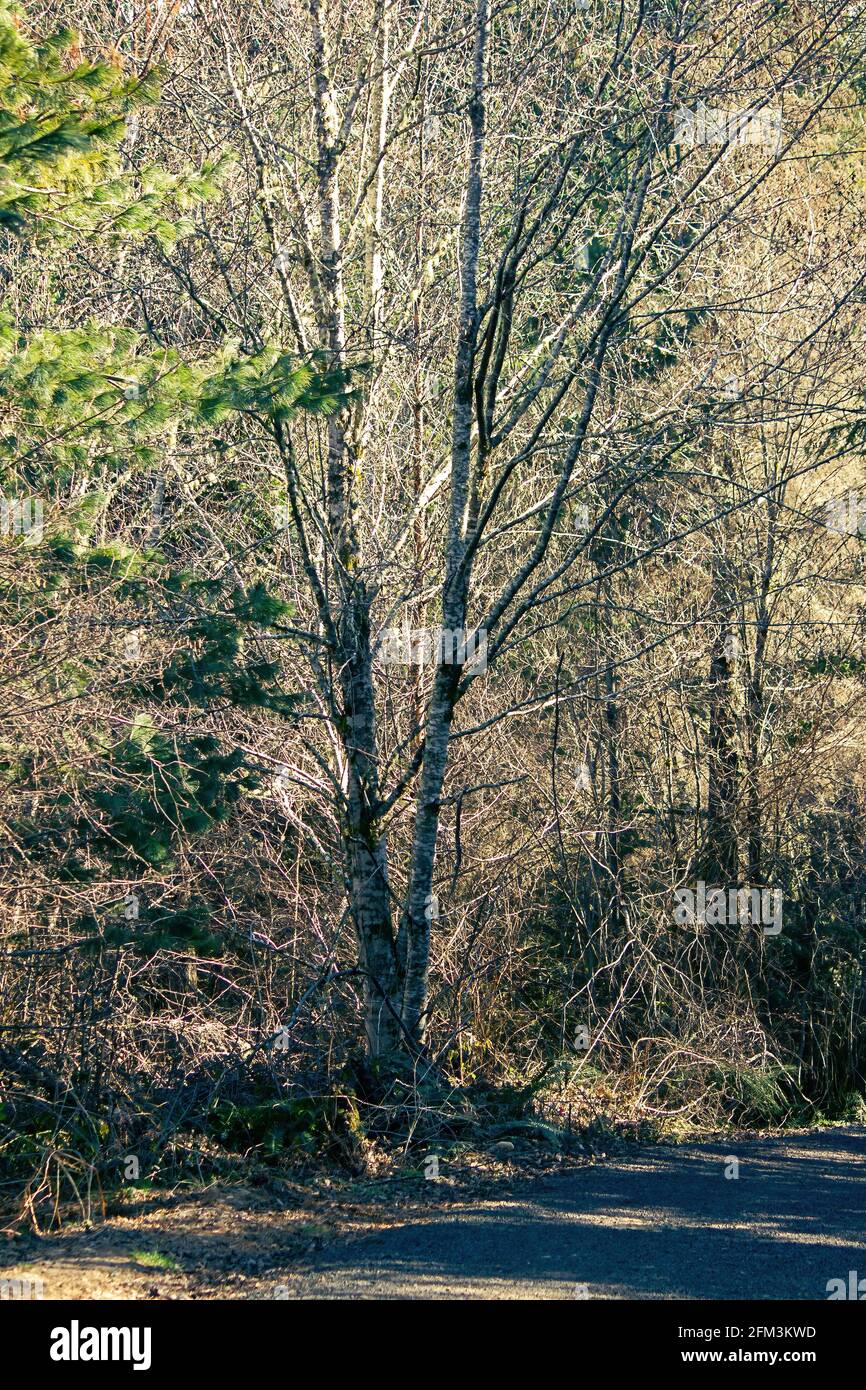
{"points": [[86, 413]]}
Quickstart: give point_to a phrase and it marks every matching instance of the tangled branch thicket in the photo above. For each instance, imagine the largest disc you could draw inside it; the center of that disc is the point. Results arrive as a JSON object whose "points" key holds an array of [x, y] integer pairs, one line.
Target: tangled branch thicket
{"points": [[324, 330]]}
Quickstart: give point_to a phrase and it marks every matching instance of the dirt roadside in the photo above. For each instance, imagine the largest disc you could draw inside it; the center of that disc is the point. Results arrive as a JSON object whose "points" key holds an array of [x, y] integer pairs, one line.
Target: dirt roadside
{"points": [[664, 1222]]}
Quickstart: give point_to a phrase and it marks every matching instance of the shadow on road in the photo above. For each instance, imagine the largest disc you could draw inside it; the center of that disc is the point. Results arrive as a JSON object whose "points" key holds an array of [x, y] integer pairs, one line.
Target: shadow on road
{"points": [[666, 1224]]}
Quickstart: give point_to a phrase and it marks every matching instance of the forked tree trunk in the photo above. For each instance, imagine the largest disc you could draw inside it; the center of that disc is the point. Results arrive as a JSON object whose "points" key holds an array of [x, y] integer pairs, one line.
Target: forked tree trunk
{"points": [[365, 848], [414, 943]]}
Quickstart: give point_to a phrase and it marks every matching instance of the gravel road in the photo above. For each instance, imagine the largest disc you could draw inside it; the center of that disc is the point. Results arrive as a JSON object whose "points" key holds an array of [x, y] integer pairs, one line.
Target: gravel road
{"points": [[665, 1224]]}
